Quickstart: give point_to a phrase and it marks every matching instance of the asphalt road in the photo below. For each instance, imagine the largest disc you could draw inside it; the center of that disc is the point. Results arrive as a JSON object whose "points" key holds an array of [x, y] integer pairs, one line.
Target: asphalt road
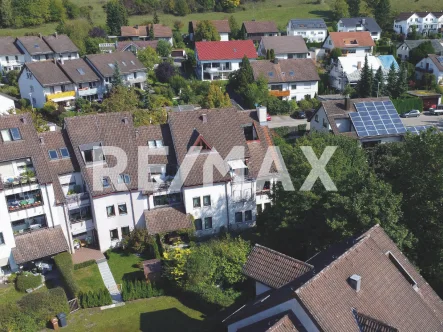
{"points": [[287, 121], [425, 119]]}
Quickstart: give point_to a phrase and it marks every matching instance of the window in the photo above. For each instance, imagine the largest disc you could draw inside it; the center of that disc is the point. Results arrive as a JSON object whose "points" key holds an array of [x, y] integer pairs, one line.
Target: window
{"points": [[12, 134], [325, 124], [259, 208], [2, 240], [208, 222], [151, 144], [92, 153], [31, 88], [124, 178], [114, 234], [122, 209], [198, 224], [64, 152], [294, 87], [248, 215], [110, 211], [155, 143], [7, 59], [105, 182], [159, 143], [238, 216], [53, 154], [207, 200], [316, 117], [125, 231], [196, 202]]}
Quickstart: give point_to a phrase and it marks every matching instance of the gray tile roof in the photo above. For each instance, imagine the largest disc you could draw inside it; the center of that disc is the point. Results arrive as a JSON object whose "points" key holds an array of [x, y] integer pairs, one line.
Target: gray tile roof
{"points": [[167, 219], [285, 44], [39, 244], [47, 73], [79, 71], [290, 70], [104, 63], [369, 23], [35, 45], [302, 24], [60, 43], [8, 46], [437, 60], [436, 44]]}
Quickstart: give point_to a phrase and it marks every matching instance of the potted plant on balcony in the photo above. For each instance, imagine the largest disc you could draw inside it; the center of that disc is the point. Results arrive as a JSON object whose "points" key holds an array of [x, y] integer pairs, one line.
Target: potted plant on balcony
{"points": [[29, 175]]}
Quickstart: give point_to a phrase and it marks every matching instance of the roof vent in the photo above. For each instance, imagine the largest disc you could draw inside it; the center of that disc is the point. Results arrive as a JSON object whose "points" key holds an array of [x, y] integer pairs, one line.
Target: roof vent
{"points": [[355, 282], [136, 133], [125, 120], [23, 120], [204, 118], [42, 140]]}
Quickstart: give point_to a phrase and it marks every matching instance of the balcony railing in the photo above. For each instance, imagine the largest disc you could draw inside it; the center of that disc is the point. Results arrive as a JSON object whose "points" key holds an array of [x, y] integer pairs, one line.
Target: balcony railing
{"points": [[76, 198], [243, 199], [74, 219], [32, 228], [60, 95], [87, 91], [19, 181], [278, 93]]}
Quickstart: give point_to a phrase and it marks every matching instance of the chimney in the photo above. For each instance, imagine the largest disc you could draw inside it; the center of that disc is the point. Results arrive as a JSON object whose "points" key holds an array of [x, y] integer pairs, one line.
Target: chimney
{"points": [[347, 103], [355, 282], [62, 61], [262, 114], [359, 65], [204, 118], [363, 21], [23, 120], [42, 140], [136, 133], [125, 120], [136, 26]]}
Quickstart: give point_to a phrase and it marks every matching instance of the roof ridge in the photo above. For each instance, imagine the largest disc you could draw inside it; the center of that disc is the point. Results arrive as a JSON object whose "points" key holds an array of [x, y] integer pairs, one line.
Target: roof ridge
{"points": [[282, 254]]}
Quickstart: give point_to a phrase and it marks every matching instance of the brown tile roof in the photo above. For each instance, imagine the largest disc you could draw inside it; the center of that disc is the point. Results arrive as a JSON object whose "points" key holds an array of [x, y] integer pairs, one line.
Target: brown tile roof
{"points": [[272, 268], [167, 219], [78, 71], [437, 63], [222, 26], [138, 44], [8, 47], [260, 27], [351, 39], [35, 45], [104, 63], [134, 31], [39, 244], [157, 132], [60, 43], [283, 322], [290, 70], [162, 31], [285, 44], [47, 73]]}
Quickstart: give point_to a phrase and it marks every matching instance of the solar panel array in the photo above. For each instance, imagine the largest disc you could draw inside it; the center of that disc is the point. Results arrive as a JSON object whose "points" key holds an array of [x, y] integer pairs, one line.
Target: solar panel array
{"points": [[376, 118], [417, 129]]}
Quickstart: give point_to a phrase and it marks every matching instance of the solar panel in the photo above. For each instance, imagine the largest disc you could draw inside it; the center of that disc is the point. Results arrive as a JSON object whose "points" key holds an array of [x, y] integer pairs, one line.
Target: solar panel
{"points": [[417, 129], [376, 118]]}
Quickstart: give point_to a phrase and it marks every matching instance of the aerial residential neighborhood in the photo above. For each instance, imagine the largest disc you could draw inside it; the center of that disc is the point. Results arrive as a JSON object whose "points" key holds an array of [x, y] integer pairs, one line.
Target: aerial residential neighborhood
{"points": [[221, 165]]}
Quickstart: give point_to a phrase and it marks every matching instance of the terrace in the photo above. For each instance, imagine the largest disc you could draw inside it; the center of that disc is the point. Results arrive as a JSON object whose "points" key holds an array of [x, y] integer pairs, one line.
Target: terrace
{"points": [[22, 201], [79, 215], [27, 225]]}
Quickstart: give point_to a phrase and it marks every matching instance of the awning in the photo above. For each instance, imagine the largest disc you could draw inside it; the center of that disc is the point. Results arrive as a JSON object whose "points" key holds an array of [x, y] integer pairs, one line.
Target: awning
{"points": [[236, 164], [57, 100]]}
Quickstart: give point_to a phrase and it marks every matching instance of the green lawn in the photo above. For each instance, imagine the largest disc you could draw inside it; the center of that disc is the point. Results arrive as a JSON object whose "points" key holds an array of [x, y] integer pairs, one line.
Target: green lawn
{"points": [[156, 314], [8, 293], [89, 278], [125, 266]]}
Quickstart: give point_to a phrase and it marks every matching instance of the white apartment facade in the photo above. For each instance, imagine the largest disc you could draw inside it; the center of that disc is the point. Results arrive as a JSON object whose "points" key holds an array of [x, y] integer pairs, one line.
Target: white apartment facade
{"points": [[433, 64], [426, 22], [352, 44], [10, 56], [315, 30]]}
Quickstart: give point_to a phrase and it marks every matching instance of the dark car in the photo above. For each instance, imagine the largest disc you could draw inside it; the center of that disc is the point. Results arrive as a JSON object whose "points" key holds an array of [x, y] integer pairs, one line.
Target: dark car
{"points": [[300, 115]]}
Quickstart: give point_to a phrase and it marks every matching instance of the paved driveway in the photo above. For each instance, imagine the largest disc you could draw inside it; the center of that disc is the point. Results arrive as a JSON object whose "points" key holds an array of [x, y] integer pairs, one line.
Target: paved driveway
{"points": [[287, 121], [425, 119]]}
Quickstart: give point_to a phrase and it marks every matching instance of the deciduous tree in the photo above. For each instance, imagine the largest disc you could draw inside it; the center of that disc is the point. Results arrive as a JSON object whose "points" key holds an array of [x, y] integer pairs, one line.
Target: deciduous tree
{"points": [[340, 9], [116, 16], [163, 48], [217, 98], [205, 30], [148, 57], [164, 72], [354, 7]]}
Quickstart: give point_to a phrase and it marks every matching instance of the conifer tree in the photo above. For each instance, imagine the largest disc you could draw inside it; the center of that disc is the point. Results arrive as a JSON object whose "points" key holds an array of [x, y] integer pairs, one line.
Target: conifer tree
{"points": [[156, 19], [391, 82], [378, 84], [364, 85]]}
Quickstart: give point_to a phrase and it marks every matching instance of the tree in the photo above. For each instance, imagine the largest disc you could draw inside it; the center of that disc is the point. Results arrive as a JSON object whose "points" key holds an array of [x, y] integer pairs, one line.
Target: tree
{"points": [[420, 52], [336, 53], [378, 84], [382, 14], [268, 54], [256, 93], [116, 76], [72, 10], [364, 85], [156, 19], [402, 81], [182, 7], [240, 79], [77, 31], [235, 28], [121, 99], [148, 57], [272, 54], [164, 48], [229, 5], [97, 32], [414, 34], [116, 16], [339, 9], [217, 98], [6, 13], [57, 11], [151, 32], [354, 7], [178, 25], [164, 72], [206, 5], [205, 30], [391, 82]]}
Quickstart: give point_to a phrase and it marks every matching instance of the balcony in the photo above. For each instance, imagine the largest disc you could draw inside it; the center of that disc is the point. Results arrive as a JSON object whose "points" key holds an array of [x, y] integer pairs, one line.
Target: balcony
{"points": [[278, 93], [75, 200], [23, 201], [27, 225], [424, 70], [61, 96], [87, 91], [26, 179]]}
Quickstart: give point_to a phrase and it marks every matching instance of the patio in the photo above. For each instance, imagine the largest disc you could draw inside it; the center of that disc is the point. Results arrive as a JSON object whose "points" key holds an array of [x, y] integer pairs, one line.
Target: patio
{"points": [[86, 254]]}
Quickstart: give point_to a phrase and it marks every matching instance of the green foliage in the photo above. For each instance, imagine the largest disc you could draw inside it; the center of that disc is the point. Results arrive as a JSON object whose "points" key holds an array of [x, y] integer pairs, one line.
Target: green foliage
{"points": [[6, 13], [256, 92], [116, 16], [382, 14], [406, 104], [240, 79], [57, 11], [84, 264], [205, 30], [354, 7], [421, 52], [64, 263], [235, 27], [364, 85], [339, 9], [217, 97], [164, 72], [97, 298], [277, 106], [116, 79], [78, 31], [12, 319], [335, 53], [27, 280], [391, 82], [164, 48], [139, 289], [121, 99], [148, 57], [139, 241], [378, 84], [156, 19]]}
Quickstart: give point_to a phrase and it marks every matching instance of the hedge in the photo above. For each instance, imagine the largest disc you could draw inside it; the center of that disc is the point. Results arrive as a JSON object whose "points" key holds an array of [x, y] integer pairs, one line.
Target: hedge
{"points": [[64, 263], [26, 281], [42, 306], [84, 264], [97, 298], [12, 319], [139, 289], [407, 104]]}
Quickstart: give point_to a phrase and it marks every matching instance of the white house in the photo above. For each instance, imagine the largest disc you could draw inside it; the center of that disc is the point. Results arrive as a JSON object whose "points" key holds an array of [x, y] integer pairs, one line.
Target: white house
{"points": [[290, 79], [433, 64], [408, 45], [285, 47], [216, 59], [426, 22], [347, 70], [315, 30], [359, 43], [7, 104], [222, 27], [11, 58], [360, 24]]}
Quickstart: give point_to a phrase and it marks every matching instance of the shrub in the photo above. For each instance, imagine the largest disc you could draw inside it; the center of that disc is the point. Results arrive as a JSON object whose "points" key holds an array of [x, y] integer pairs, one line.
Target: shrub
{"points": [[407, 104], [26, 280], [42, 306], [12, 319], [301, 128], [84, 264], [66, 268], [96, 298], [139, 289]]}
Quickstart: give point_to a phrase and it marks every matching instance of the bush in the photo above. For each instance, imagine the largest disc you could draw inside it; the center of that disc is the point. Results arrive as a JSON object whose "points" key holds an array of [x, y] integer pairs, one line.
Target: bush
{"points": [[42, 306], [26, 280], [301, 128], [139, 289], [93, 299], [215, 295], [407, 104], [84, 264], [12, 319], [64, 263]]}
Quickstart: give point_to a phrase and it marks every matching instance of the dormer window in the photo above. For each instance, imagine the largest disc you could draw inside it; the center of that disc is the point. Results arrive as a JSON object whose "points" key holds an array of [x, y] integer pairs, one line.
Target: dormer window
{"points": [[155, 143], [250, 133], [124, 178], [92, 153], [11, 134]]}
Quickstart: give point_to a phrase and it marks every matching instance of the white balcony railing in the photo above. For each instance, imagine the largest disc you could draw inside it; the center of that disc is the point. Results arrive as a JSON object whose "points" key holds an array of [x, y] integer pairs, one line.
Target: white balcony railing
{"points": [[87, 91]]}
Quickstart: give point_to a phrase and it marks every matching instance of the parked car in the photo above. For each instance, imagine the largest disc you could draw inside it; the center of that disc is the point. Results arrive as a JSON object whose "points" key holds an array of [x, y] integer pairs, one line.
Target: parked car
{"points": [[268, 117], [437, 111], [300, 114], [411, 114]]}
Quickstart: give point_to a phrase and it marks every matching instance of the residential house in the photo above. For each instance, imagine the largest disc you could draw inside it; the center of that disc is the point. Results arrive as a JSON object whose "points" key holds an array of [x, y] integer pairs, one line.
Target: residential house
{"points": [[408, 45], [358, 43], [222, 27], [44, 81], [7, 104], [360, 24], [163, 32], [433, 64], [135, 45], [290, 79], [132, 71], [11, 58], [285, 47], [254, 30], [141, 32], [63, 47], [216, 59], [426, 22], [369, 120], [314, 30], [362, 284], [347, 70]]}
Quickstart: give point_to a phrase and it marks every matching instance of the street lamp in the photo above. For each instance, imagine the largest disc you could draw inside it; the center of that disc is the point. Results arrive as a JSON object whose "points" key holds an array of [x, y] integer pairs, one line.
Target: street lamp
{"points": [[378, 88], [30, 98]]}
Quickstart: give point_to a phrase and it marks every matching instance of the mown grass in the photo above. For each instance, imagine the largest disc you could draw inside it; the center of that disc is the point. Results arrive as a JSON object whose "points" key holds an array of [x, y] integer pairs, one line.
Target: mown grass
{"points": [[124, 266], [89, 278]]}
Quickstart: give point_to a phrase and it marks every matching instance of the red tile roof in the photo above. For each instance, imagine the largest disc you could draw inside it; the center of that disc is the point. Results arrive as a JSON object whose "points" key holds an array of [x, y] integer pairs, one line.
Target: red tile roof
{"points": [[225, 50], [344, 39]]}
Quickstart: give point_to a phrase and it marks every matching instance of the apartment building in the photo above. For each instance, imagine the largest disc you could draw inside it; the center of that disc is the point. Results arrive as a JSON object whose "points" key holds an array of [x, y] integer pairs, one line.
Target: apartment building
{"points": [[426, 22], [222, 27], [359, 43], [360, 24], [11, 58], [285, 47], [315, 30]]}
